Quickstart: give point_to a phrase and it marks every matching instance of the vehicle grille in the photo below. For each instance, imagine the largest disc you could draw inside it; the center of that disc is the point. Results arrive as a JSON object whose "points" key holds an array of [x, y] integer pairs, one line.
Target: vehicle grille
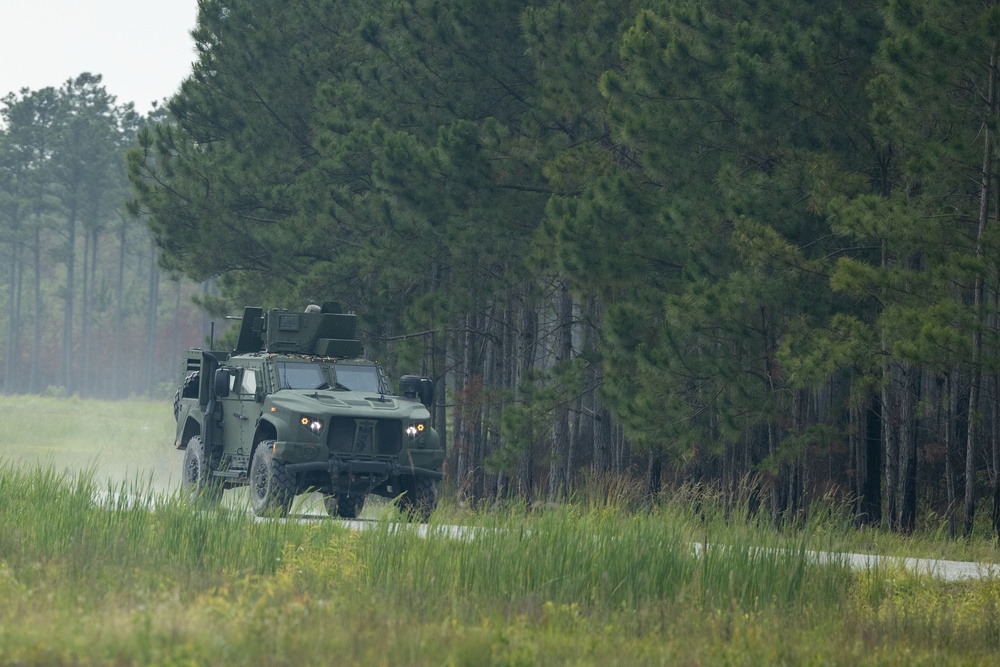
{"points": [[365, 437]]}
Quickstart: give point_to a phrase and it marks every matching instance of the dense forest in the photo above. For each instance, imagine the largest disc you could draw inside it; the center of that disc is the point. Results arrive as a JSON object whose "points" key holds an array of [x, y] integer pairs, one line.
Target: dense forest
{"points": [[86, 308], [746, 244]]}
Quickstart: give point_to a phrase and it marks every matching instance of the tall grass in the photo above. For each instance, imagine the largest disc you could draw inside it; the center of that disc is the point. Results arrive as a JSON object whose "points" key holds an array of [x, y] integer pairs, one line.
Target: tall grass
{"points": [[105, 573], [92, 533], [603, 560], [101, 563]]}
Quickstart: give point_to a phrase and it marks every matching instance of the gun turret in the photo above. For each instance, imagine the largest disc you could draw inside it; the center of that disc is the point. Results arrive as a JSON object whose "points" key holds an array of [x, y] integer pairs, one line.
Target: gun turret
{"points": [[326, 333]]}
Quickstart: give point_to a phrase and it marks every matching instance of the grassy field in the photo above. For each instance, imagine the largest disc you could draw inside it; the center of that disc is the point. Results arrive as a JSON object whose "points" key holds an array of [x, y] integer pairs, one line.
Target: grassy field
{"points": [[141, 578], [117, 440]]}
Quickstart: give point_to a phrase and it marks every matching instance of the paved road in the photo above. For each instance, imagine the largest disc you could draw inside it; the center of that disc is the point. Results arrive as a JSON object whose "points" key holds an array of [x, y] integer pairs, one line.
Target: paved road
{"points": [[946, 570]]}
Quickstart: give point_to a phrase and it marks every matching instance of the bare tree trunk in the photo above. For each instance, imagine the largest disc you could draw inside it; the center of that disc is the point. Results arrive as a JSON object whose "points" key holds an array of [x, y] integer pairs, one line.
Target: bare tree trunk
{"points": [[66, 367], [873, 467], [907, 489], [995, 450], [85, 378], [622, 450], [116, 335], [467, 413], [969, 514], [92, 380], [13, 353], [153, 297], [494, 381], [527, 345], [857, 439], [978, 306], [890, 448], [950, 433], [440, 375], [36, 352], [558, 472]]}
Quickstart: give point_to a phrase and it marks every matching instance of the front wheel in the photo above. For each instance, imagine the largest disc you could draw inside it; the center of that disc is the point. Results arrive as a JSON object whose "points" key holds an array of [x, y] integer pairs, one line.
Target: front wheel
{"points": [[272, 487], [420, 498], [197, 483]]}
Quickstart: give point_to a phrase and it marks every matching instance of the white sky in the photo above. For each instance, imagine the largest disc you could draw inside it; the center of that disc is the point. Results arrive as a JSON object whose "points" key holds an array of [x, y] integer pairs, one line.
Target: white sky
{"points": [[141, 48]]}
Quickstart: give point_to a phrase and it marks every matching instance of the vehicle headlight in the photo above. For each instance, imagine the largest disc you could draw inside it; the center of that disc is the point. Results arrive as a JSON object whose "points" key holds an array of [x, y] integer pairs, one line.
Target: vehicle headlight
{"points": [[416, 429], [315, 426]]}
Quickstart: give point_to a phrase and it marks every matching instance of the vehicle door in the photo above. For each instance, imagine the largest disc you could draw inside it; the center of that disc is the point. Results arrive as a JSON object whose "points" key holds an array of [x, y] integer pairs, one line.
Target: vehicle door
{"points": [[232, 412], [246, 410]]}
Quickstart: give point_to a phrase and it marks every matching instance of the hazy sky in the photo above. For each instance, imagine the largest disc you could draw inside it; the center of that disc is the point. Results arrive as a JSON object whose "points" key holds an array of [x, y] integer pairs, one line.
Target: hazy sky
{"points": [[142, 48]]}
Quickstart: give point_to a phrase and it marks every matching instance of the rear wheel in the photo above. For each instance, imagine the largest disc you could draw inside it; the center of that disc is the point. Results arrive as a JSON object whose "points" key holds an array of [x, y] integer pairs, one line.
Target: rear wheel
{"points": [[344, 506], [272, 487], [197, 482], [420, 499]]}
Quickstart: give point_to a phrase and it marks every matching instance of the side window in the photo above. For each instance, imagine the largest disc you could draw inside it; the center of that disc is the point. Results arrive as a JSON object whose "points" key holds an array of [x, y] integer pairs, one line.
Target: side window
{"points": [[249, 384]]}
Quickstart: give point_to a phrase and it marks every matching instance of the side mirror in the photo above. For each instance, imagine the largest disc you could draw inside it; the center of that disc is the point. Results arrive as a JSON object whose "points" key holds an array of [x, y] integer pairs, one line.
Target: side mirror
{"points": [[426, 392], [409, 385], [412, 386], [222, 377]]}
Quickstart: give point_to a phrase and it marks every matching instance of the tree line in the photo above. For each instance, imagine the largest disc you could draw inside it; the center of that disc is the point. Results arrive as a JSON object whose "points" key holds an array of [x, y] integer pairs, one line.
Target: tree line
{"points": [[674, 240], [84, 311]]}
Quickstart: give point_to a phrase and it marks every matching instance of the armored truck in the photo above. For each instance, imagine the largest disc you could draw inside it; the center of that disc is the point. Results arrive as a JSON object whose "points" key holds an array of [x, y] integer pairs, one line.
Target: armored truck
{"points": [[297, 408]]}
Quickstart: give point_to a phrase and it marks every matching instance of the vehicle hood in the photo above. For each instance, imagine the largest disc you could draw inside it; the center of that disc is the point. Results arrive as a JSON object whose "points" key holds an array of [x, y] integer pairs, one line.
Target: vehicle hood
{"points": [[356, 404]]}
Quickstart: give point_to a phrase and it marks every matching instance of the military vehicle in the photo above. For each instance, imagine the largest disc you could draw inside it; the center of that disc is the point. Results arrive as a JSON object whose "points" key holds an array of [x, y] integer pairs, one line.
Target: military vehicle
{"points": [[296, 407]]}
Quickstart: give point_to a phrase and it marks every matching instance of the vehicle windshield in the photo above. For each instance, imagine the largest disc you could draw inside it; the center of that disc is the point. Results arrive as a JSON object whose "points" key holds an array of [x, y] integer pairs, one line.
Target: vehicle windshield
{"points": [[293, 375], [359, 378], [302, 375]]}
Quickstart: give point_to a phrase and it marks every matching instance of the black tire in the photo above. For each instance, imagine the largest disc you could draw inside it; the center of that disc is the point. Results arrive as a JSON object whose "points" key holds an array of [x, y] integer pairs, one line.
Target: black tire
{"points": [[420, 498], [343, 506], [197, 482], [272, 487]]}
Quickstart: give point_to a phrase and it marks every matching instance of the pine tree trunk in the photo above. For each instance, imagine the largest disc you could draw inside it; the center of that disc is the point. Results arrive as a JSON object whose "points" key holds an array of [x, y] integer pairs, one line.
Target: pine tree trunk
{"points": [[66, 368], [13, 321], [440, 374], [872, 505], [995, 451], [858, 435], [463, 444], [889, 444], [34, 373], [527, 341], [978, 306], [85, 315], [92, 381], [117, 382], [558, 469], [907, 501], [151, 321], [950, 433]]}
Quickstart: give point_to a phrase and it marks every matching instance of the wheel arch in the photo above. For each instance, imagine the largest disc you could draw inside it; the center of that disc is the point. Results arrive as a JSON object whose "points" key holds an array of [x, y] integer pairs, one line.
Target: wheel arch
{"points": [[265, 431], [191, 428]]}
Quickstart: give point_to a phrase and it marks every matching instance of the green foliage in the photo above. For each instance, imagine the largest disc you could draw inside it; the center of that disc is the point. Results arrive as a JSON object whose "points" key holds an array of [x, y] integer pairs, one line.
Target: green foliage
{"points": [[527, 422], [763, 211], [809, 356]]}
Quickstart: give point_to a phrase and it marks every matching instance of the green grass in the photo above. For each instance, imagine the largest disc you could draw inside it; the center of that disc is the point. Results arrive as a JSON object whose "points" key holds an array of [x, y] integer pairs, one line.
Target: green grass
{"points": [[143, 578], [118, 440]]}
